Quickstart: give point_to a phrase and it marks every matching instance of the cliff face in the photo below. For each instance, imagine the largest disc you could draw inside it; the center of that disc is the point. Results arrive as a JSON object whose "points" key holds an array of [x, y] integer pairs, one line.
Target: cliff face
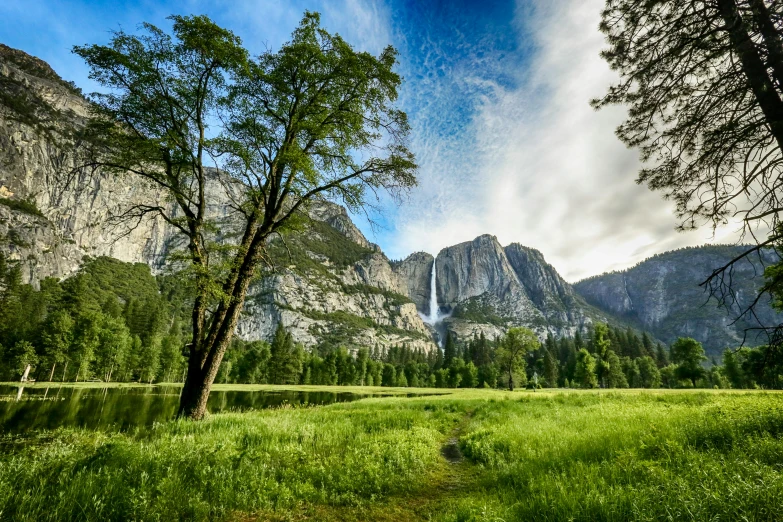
{"points": [[488, 288], [663, 296], [415, 272], [38, 114], [331, 286], [337, 288]]}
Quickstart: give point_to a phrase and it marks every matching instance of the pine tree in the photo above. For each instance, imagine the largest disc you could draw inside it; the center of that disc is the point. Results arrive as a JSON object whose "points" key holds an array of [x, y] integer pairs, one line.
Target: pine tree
{"points": [[551, 370], [449, 350]]}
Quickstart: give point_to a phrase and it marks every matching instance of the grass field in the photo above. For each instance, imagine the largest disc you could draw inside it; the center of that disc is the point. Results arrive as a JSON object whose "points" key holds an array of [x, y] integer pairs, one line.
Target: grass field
{"points": [[466, 455]]}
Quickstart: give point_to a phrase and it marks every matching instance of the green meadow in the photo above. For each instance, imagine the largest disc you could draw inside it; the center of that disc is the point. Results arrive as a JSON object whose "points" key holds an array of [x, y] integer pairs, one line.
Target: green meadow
{"points": [[464, 455]]}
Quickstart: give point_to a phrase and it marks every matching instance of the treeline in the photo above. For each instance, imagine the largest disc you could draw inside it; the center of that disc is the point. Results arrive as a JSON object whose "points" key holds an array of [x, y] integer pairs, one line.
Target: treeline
{"points": [[114, 321], [111, 321]]}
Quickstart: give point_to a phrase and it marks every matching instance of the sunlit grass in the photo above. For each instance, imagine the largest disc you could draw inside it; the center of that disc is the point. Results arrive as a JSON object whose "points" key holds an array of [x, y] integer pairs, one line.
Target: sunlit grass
{"points": [[528, 456]]}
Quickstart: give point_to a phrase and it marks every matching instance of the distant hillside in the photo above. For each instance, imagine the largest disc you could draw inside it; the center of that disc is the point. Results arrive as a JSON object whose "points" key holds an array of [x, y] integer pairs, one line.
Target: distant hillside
{"points": [[662, 295]]}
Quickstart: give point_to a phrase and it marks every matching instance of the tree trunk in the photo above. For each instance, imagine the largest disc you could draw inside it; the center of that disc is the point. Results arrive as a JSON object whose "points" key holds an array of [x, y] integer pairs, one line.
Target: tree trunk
{"points": [[51, 375], [771, 37], [26, 373], [207, 354], [510, 381], [65, 370], [755, 71]]}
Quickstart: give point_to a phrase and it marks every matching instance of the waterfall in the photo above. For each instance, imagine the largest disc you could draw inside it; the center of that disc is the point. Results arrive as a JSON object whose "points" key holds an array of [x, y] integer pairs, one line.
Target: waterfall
{"points": [[433, 296]]}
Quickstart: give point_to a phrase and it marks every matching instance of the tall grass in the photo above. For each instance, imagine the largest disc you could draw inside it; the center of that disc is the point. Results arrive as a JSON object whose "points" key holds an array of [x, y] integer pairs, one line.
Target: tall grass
{"points": [[628, 456], [270, 460], [544, 456]]}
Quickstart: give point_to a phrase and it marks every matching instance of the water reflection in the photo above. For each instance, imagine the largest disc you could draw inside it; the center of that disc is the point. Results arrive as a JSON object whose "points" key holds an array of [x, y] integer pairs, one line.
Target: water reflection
{"points": [[23, 409]]}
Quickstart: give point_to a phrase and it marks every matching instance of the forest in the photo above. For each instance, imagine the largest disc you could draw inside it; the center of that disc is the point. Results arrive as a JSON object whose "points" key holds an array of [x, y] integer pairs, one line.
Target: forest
{"points": [[116, 322]]}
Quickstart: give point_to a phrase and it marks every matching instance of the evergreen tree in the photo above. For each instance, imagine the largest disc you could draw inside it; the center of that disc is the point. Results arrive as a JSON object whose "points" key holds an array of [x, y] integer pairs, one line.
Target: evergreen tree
{"points": [[389, 377], [285, 361], [551, 370], [661, 357], [449, 350]]}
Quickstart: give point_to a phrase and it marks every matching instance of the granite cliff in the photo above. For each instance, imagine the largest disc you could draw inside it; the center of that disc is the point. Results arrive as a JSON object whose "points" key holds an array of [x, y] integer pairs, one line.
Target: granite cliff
{"points": [[662, 295], [487, 288]]}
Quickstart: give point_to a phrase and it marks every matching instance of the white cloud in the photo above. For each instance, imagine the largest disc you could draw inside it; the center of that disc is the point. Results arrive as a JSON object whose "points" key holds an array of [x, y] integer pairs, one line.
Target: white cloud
{"points": [[543, 168]]}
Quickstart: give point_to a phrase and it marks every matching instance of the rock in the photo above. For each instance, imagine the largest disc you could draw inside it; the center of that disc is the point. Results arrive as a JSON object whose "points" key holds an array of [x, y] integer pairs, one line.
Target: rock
{"points": [[663, 295], [415, 272], [494, 288]]}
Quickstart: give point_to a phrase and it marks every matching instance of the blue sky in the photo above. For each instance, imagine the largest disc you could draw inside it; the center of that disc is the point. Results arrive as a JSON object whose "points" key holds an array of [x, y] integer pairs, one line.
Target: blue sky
{"points": [[497, 93]]}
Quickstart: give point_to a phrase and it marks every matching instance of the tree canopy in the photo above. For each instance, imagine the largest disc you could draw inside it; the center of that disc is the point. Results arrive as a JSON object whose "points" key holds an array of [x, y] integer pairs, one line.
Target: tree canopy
{"points": [[314, 120]]}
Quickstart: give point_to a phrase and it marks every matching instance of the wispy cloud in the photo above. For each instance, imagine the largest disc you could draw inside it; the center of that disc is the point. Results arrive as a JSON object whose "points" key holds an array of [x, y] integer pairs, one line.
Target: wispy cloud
{"points": [[498, 98], [535, 164]]}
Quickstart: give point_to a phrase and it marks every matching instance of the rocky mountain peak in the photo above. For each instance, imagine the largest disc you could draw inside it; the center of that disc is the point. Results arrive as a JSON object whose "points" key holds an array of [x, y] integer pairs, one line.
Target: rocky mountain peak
{"points": [[415, 272], [472, 269]]}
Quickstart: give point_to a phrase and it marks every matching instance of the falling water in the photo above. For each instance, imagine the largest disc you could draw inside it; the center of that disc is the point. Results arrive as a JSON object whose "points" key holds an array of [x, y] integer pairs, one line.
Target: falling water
{"points": [[433, 297]]}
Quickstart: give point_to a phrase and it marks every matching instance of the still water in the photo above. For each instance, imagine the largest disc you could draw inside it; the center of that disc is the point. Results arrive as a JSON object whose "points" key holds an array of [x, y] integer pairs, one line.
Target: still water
{"points": [[24, 409]]}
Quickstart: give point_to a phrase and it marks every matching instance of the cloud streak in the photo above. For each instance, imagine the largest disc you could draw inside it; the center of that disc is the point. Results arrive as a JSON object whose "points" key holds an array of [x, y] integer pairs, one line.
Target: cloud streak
{"points": [[497, 94], [535, 164]]}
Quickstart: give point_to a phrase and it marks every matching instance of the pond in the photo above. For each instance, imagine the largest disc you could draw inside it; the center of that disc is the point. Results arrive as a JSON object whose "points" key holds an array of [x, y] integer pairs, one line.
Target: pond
{"points": [[25, 408]]}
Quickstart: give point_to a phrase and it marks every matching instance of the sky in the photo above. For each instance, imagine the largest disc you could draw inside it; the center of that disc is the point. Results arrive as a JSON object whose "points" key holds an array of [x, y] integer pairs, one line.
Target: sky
{"points": [[497, 93]]}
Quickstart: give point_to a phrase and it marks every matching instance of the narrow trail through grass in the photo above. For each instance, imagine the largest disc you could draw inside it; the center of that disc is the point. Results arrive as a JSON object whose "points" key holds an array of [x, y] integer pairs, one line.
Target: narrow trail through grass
{"points": [[452, 475]]}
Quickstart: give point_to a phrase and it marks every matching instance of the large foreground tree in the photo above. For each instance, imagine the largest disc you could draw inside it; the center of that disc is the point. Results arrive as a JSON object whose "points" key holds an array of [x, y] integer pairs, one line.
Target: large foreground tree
{"points": [[314, 120], [703, 82]]}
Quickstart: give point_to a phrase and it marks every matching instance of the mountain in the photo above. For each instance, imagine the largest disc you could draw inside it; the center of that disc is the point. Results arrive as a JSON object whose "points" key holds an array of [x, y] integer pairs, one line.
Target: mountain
{"points": [[487, 288], [331, 286], [662, 295]]}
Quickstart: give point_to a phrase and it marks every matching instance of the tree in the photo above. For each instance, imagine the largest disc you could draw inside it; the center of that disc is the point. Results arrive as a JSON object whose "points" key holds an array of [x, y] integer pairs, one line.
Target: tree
{"points": [[704, 84], [285, 359], [615, 377], [601, 342], [631, 371], [732, 367], [661, 357], [113, 347], [362, 360], [149, 360], [449, 350], [649, 375], [297, 125], [171, 359], [469, 376], [86, 340], [510, 356], [584, 375], [551, 371], [389, 375], [456, 367], [56, 338], [688, 355], [24, 358]]}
